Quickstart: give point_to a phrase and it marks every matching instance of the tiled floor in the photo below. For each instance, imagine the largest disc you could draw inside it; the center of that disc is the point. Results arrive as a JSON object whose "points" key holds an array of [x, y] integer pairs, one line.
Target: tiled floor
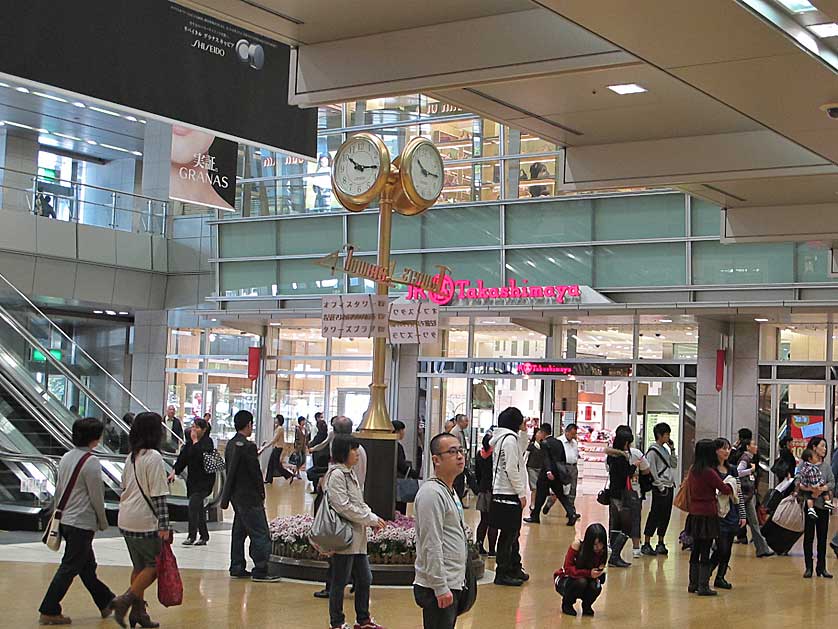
{"points": [[651, 594]]}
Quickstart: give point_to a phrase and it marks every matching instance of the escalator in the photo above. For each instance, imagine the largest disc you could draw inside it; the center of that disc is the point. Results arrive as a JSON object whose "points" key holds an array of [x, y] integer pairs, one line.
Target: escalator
{"points": [[35, 419]]}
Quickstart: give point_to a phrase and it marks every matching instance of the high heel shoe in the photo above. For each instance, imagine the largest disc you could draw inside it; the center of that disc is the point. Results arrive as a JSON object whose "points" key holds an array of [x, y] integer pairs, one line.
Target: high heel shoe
{"points": [[821, 572]]}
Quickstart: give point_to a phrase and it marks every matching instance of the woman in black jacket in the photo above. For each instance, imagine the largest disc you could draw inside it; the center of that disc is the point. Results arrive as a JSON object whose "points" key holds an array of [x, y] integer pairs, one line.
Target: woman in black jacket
{"points": [[484, 472], [621, 495], [199, 483], [404, 469]]}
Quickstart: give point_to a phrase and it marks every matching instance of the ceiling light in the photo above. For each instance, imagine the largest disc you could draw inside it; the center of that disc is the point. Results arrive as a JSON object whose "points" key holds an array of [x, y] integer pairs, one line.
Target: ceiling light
{"points": [[825, 30], [4, 85], [142, 121], [19, 125], [23, 90], [131, 118], [573, 321], [115, 148], [761, 320], [92, 142], [627, 88], [105, 111], [98, 312], [67, 137], [664, 320], [274, 323], [798, 6], [50, 96], [110, 312], [137, 153], [78, 104], [122, 312]]}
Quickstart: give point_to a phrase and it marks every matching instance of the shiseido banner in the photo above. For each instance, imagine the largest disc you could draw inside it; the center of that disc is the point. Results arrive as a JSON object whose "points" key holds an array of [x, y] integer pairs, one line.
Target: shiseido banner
{"points": [[203, 169], [159, 57]]}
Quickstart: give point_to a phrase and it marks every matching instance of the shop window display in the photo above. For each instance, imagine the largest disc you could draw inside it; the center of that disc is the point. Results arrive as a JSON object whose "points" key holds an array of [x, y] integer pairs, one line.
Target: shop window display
{"points": [[668, 341], [598, 340], [793, 342]]}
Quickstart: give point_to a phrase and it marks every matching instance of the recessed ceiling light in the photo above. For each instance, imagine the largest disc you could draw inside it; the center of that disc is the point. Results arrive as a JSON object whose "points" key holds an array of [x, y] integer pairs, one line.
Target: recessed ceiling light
{"points": [[23, 90], [92, 142], [761, 320], [627, 88], [50, 97], [664, 320], [79, 105], [4, 85], [98, 312], [67, 137], [20, 126], [110, 312], [115, 148], [122, 312], [573, 321], [137, 153], [131, 118], [142, 121], [798, 6], [825, 30]]}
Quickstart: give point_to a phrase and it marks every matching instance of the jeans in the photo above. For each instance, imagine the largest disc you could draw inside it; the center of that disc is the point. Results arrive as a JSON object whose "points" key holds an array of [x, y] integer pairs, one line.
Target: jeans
{"points": [[432, 616], [78, 560], [198, 515], [660, 512], [345, 567], [250, 522], [588, 590], [821, 525], [753, 523]]}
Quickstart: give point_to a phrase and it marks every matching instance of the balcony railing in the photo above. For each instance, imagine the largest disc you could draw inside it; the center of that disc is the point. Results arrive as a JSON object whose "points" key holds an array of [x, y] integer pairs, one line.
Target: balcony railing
{"points": [[77, 202]]}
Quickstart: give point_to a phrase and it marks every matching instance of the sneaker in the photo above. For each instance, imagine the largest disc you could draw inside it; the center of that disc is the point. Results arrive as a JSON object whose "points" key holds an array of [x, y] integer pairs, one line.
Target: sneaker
{"points": [[636, 553], [510, 581], [660, 549], [241, 575], [201, 542], [811, 513], [268, 578], [188, 542], [523, 576], [647, 549], [368, 624], [54, 620], [343, 626]]}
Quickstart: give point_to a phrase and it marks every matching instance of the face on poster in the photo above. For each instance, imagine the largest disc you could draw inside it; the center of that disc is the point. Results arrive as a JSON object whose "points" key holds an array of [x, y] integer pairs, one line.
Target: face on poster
{"points": [[203, 168]]}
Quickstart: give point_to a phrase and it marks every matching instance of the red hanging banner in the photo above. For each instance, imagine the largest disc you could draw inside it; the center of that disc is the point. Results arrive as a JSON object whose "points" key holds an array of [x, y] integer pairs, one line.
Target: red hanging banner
{"points": [[254, 362], [721, 354]]}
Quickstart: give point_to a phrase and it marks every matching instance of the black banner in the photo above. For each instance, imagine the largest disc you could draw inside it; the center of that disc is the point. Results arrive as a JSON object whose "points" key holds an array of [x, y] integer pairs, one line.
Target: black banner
{"points": [[159, 57]]}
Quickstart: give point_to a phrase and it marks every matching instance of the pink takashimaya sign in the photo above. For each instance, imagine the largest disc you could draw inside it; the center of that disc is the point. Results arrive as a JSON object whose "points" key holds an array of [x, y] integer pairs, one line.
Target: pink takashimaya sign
{"points": [[526, 369], [462, 289]]}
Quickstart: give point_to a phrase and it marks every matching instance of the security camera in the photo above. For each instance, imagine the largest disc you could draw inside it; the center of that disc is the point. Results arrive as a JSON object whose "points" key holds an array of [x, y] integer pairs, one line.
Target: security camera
{"points": [[831, 110]]}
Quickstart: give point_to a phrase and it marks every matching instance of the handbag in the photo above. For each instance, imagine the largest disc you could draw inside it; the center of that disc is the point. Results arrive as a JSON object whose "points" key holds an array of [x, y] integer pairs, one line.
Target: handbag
{"points": [[780, 468], [468, 595], [294, 459], [213, 462], [406, 489], [789, 515], [169, 583], [682, 496], [330, 532], [52, 534]]}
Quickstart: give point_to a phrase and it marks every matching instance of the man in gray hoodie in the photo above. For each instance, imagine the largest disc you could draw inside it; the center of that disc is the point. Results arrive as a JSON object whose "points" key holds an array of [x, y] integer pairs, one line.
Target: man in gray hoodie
{"points": [[441, 544], [662, 462]]}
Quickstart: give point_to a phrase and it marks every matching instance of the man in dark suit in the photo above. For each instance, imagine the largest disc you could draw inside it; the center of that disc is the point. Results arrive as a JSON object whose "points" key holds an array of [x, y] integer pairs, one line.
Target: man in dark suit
{"points": [[245, 489], [553, 476]]}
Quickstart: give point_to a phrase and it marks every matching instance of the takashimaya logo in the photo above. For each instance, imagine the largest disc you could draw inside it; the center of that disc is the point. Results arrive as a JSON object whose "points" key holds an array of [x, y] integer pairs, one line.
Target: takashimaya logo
{"points": [[251, 54], [462, 289]]}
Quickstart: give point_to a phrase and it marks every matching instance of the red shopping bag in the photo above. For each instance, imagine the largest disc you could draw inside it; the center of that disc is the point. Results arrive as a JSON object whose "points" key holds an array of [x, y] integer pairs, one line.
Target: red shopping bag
{"points": [[169, 584]]}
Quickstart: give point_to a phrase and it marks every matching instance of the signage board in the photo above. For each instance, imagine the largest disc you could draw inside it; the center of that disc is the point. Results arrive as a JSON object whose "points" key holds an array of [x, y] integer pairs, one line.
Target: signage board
{"points": [[460, 290], [160, 57], [38, 355], [365, 316], [203, 170]]}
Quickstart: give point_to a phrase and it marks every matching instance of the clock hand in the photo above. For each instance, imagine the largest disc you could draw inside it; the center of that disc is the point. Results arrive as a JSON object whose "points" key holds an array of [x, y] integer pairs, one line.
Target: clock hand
{"points": [[358, 166], [422, 168], [366, 167]]}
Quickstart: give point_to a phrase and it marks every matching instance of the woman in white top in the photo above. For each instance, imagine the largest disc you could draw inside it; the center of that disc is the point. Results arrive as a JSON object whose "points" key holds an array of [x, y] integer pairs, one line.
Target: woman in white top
{"points": [[143, 515]]}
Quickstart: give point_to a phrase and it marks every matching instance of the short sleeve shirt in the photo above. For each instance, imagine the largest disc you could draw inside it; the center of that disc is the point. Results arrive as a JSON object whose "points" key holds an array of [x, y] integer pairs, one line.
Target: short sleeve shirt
{"points": [[135, 515]]}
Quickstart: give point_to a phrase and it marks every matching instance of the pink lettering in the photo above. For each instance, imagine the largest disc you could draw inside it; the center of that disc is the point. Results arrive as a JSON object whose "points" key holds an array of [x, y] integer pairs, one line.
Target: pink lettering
{"points": [[560, 292], [549, 291], [494, 293], [472, 293], [462, 285], [451, 289]]}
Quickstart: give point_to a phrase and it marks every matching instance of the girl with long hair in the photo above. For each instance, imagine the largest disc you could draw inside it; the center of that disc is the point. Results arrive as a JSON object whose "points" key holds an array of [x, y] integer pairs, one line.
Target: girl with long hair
{"points": [[583, 573], [731, 520], [483, 472], [622, 497]]}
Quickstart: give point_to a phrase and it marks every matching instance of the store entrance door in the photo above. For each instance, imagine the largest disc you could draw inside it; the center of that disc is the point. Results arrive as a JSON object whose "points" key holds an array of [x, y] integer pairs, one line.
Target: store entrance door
{"points": [[353, 403]]}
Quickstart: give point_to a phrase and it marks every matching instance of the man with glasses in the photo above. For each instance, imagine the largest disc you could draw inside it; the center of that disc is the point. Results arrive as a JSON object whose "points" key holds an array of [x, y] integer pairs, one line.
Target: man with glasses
{"points": [[441, 544]]}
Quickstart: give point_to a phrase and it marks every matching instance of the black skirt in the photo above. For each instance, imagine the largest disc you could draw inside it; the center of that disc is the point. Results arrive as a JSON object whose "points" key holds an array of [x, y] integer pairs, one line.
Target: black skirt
{"points": [[703, 526]]}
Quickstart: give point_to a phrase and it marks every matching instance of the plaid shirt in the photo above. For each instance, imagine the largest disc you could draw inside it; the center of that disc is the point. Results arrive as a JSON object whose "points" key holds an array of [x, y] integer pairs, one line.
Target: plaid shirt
{"points": [[811, 475], [161, 510]]}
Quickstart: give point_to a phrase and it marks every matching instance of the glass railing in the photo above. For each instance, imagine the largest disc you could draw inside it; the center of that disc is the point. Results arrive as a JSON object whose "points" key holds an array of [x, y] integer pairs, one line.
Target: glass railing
{"points": [[77, 202], [27, 488]]}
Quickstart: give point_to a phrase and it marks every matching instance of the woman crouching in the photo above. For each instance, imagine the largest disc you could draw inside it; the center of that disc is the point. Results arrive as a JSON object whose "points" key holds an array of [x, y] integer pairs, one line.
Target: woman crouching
{"points": [[583, 573]]}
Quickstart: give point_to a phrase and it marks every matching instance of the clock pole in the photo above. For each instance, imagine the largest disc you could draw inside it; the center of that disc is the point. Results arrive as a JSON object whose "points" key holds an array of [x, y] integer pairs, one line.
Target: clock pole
{"points": [[377, 424]]}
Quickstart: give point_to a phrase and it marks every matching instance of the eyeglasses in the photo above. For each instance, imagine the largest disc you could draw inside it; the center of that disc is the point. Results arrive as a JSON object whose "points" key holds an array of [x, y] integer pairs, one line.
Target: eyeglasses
{"points": [[453, 452]]}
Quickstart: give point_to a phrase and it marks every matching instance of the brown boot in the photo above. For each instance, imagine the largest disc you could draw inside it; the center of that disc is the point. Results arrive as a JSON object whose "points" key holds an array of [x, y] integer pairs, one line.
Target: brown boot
{"points": [[139, 615], [46, 619], [121, 605]]}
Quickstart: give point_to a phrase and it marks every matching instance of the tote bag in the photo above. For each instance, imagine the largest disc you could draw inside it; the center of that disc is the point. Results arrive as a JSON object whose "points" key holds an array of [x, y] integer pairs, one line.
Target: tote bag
{"points": [[330, 532], [789, 515], [169, 583]]}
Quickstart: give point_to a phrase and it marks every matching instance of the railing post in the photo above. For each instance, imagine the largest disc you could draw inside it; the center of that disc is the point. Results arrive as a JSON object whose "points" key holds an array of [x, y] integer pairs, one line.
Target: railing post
{"points": [[150, 207], [165, 218], [75, 207], [35, 195], [113, 210]]}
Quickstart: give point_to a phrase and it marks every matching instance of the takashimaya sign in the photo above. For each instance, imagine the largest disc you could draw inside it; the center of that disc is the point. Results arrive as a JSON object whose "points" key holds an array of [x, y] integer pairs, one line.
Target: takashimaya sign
{"points": [[452, 289]]}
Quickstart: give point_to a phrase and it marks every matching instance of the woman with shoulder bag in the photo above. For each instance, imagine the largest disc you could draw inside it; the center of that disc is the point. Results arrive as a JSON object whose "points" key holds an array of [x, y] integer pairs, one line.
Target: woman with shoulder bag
{"points": [[703, 520], [622, 497], [818, 527], [731, 513], [143, 515], [583, 573], [347, 499], [483, 471], [199, 482]]}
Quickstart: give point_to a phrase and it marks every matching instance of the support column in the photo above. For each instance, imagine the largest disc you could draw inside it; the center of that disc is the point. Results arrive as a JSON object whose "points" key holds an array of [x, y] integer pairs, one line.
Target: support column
{"points": [[148, 374], [157, 159], [18, 165], [712, 336]]}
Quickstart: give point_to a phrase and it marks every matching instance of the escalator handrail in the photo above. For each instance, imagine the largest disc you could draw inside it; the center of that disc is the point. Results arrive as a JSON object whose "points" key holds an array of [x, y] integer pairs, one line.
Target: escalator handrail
{"points": [[57, 432], [50, 462], [68, 373], [73, 343]]}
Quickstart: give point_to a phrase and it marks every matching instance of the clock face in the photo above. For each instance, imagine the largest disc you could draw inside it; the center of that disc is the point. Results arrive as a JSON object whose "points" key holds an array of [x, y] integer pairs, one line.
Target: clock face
{"points": [[357, 167], [427, 172]]}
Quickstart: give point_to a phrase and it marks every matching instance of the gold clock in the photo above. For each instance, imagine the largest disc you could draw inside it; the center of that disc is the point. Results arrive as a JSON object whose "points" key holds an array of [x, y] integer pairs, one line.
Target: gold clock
{"points": [[360, 171], [422, 177]]}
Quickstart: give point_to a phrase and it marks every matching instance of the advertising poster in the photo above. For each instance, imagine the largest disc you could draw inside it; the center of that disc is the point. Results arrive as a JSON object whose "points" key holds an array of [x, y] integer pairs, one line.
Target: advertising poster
{"points": [[203, 169], [160, 57], [803, 427]]}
